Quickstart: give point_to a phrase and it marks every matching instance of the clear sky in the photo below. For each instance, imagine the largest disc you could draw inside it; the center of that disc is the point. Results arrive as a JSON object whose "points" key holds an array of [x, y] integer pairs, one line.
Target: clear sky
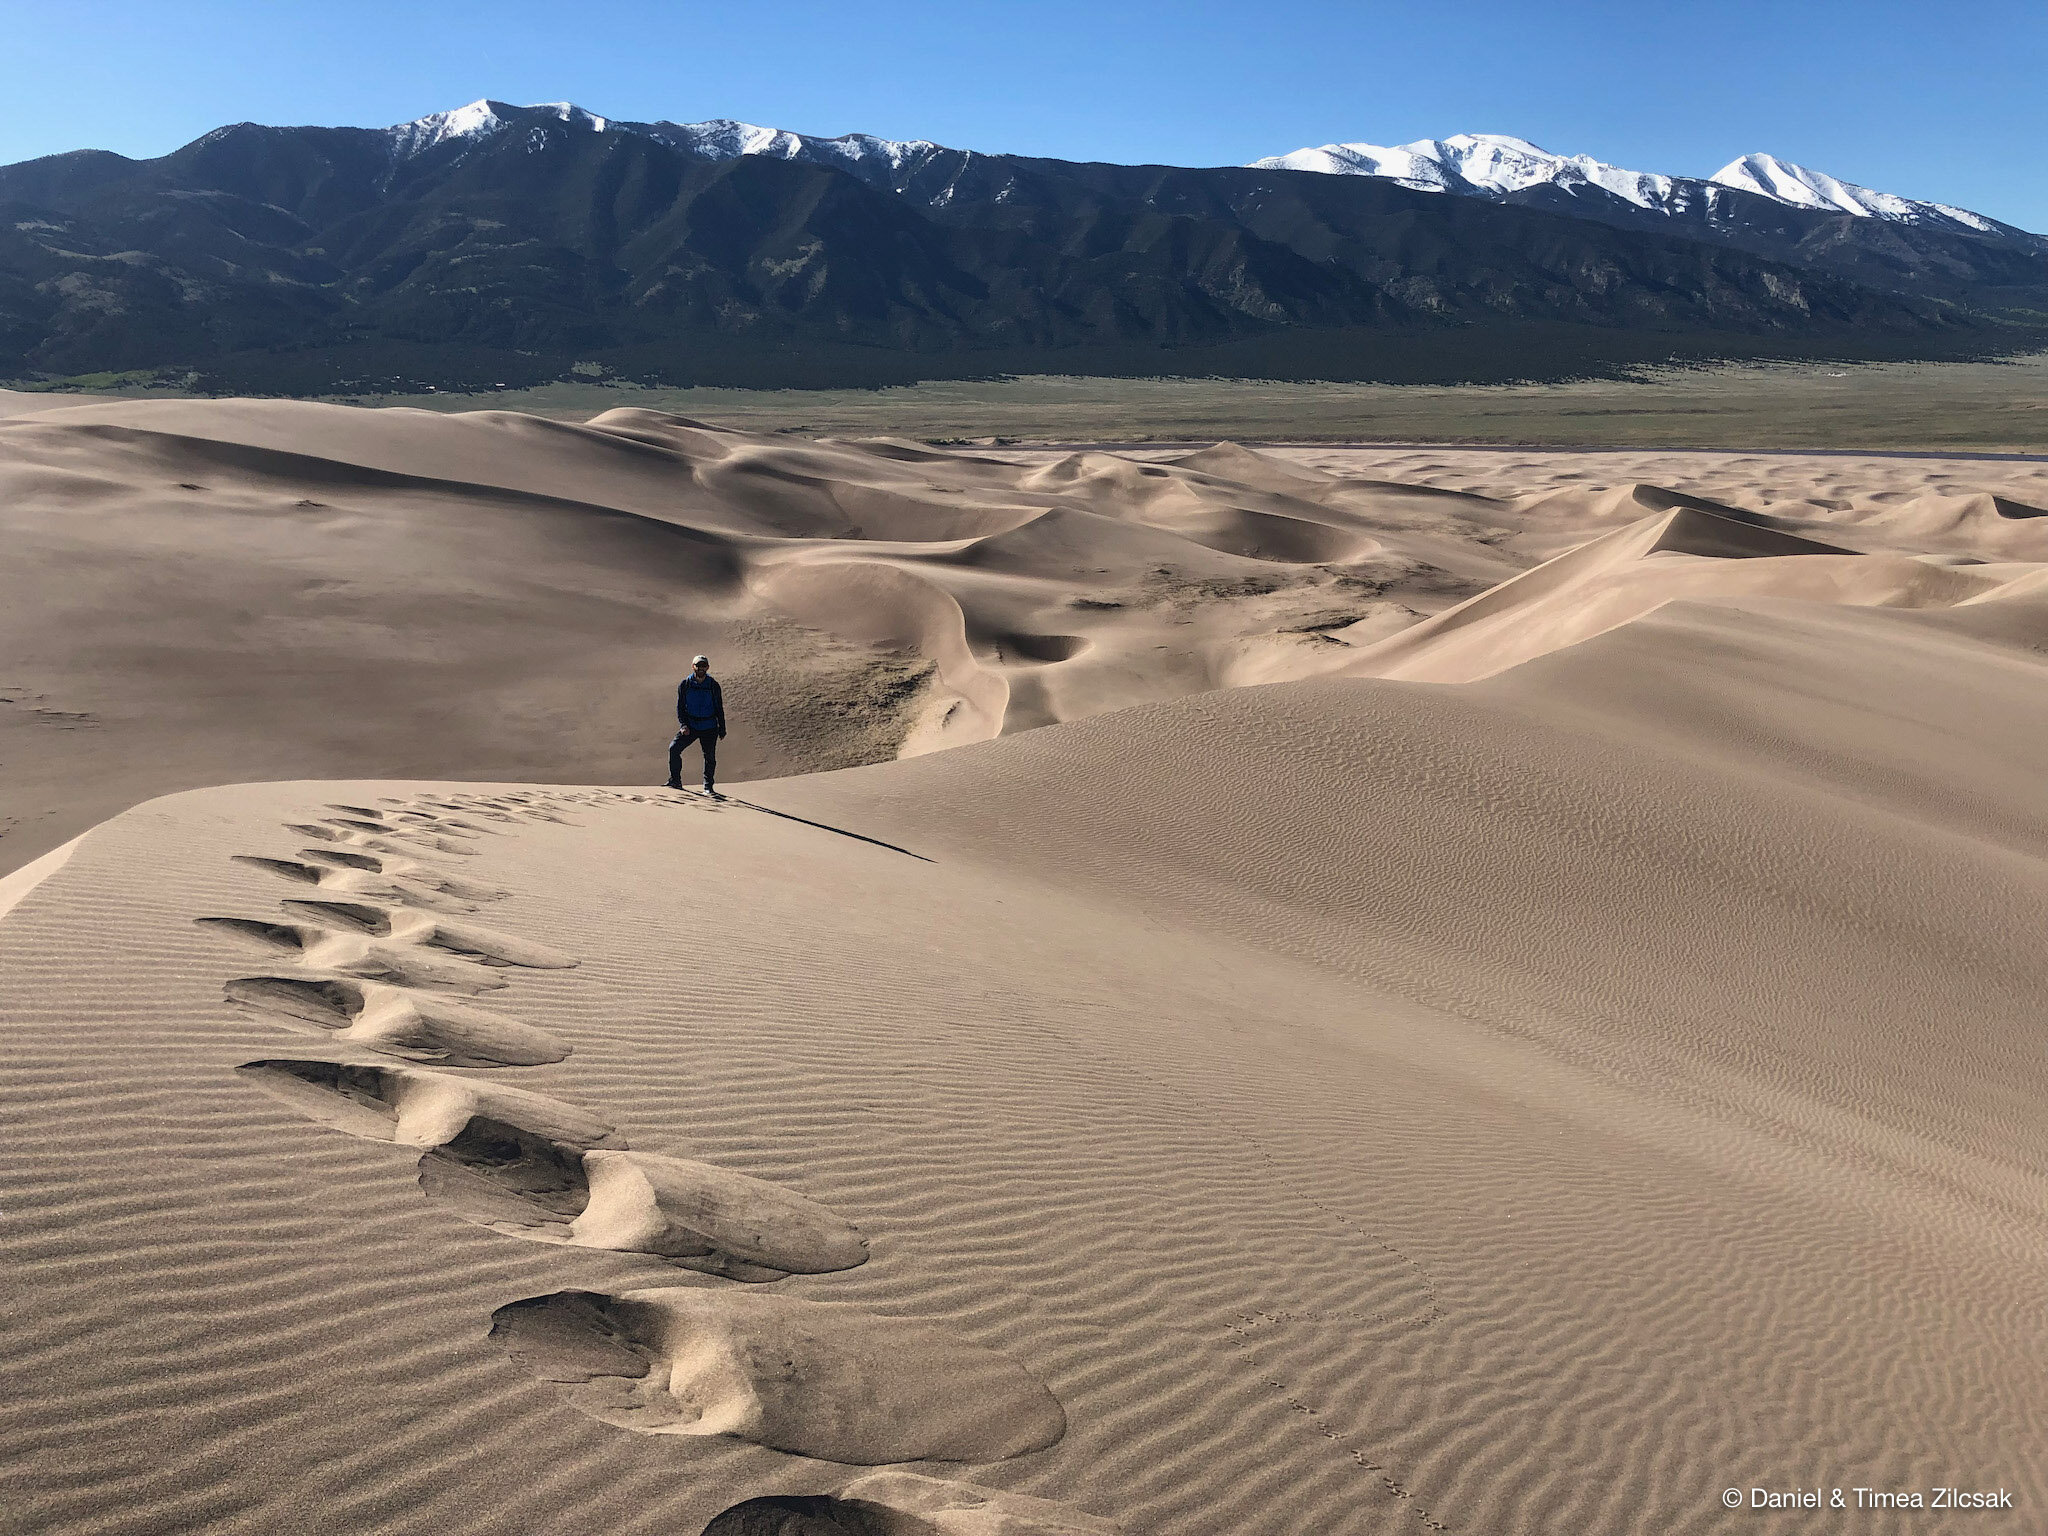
{"points": [[1928, 101]]}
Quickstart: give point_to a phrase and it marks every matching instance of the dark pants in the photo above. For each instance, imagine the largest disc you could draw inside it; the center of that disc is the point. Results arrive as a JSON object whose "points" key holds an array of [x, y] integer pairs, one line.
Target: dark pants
{"points": [[707, 739]]}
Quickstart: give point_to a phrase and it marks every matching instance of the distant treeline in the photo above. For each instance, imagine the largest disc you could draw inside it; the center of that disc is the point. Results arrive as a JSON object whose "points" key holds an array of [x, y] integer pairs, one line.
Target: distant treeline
{"points": [[1504, 355]]}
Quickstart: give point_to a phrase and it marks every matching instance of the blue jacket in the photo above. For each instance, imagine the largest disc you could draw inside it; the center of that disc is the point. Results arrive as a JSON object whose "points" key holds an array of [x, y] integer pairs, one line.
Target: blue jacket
{"points": [[700, 704]]}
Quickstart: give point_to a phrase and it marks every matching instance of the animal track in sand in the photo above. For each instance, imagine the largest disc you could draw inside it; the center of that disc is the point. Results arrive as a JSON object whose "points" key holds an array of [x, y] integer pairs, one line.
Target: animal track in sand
{"points": [[415, 1107], [694, 1214], [801, 1376], [479, 944], [906, 1504], [348, 954], [395, 1022]]}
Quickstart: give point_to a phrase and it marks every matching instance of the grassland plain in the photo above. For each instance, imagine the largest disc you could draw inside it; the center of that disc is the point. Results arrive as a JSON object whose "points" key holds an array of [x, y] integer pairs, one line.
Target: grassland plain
{"points": [[1968, 406], [1996, 406]]}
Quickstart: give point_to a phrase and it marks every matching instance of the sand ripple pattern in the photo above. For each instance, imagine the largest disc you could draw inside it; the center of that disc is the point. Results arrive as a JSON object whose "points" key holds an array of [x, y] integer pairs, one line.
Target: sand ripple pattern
{"points": [[1438, 1132], [564, 1173]]}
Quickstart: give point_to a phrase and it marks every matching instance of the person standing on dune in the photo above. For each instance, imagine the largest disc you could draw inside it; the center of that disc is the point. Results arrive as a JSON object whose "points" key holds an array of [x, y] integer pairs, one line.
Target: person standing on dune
{"points": [[700, 711]]}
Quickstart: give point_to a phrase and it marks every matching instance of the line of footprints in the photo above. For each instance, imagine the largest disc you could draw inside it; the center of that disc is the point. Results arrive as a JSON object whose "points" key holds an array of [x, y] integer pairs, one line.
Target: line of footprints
{"points": [[378, 955]]}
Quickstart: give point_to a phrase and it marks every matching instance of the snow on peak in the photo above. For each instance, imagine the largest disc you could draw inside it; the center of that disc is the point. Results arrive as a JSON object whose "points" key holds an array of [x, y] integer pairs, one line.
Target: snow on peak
{"points": [[1795, 184], [1497, 165], [717, 139], [1771, 177], [1408, 164], [475, 121], [569, 112], [854, 148], [479, 120], [723, 139], [1477, 164]]}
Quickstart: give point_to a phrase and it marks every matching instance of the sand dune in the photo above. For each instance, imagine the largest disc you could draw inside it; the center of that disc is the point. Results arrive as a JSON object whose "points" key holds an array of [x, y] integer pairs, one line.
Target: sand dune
{"points": [[1395, 1056], [199, 591], [208, 590], [1687, 554]]}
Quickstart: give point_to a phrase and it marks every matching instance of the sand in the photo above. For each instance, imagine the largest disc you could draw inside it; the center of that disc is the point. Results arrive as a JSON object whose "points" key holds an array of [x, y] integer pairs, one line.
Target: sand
{"points": [[199, 592], [1557, 1045]]}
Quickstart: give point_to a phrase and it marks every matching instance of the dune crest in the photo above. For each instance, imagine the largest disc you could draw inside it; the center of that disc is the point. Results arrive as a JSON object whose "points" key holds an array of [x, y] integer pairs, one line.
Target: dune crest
{"points": [[1687, 554]]}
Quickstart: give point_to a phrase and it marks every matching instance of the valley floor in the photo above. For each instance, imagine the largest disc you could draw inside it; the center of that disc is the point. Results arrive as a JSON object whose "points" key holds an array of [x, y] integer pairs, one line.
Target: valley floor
{"points": [[1921, 407], [1928, 407]]}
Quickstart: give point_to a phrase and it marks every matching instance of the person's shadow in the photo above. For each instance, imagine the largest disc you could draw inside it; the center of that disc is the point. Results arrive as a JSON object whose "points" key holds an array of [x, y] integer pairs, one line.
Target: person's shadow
{"points": [[859, 837]]}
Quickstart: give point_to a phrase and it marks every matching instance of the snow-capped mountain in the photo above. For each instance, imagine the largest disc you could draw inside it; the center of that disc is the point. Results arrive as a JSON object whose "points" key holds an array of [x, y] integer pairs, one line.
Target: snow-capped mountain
{"points": [[873, 159], [496, 242], [1768, 176], [1494, 166], [1501, 168], [1477, 164]]}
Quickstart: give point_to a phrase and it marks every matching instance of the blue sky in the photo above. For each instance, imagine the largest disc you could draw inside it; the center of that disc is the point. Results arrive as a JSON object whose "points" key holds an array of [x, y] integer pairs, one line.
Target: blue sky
{"points": [[1905, 98]]}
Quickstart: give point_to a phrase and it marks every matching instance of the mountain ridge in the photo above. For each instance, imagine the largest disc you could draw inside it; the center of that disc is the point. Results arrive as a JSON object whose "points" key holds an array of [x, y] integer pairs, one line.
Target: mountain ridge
{"points": [[1487, 164], [1762, 174], [502, 243]]}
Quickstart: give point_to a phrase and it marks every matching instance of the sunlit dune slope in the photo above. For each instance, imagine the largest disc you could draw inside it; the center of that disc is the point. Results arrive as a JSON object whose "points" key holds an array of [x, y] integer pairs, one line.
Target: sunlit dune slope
{"points": [[198, 591], [1536, 1104]]}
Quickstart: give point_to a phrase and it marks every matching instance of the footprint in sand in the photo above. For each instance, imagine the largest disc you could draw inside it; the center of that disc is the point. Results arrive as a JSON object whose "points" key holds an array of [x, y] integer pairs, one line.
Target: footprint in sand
{"points": [[344, 954], [404, 835], [356, 838], [395, 1022], [409, 816], [905, 1504], [415, 1107], [819, 1381], [506, 807], [806, 1377], [482, 945], [497, 808], [484, 809], [409, 872], [427, 821], [343, 881], [694, 1214]]}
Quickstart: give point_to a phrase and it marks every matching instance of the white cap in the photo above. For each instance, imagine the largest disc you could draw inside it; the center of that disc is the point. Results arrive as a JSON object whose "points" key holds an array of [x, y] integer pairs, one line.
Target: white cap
{"points": [[694, 660]]}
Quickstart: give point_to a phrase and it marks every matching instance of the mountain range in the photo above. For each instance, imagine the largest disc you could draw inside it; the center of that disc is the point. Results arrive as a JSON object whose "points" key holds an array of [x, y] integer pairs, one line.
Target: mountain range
{"points": [[1499, 167], [502, 244]]}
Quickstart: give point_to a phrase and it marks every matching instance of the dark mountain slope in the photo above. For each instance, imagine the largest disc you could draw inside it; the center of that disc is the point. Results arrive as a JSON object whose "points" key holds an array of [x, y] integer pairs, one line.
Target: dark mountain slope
{"points": [[310, 258], [1997, 269], [1994, 272]]}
